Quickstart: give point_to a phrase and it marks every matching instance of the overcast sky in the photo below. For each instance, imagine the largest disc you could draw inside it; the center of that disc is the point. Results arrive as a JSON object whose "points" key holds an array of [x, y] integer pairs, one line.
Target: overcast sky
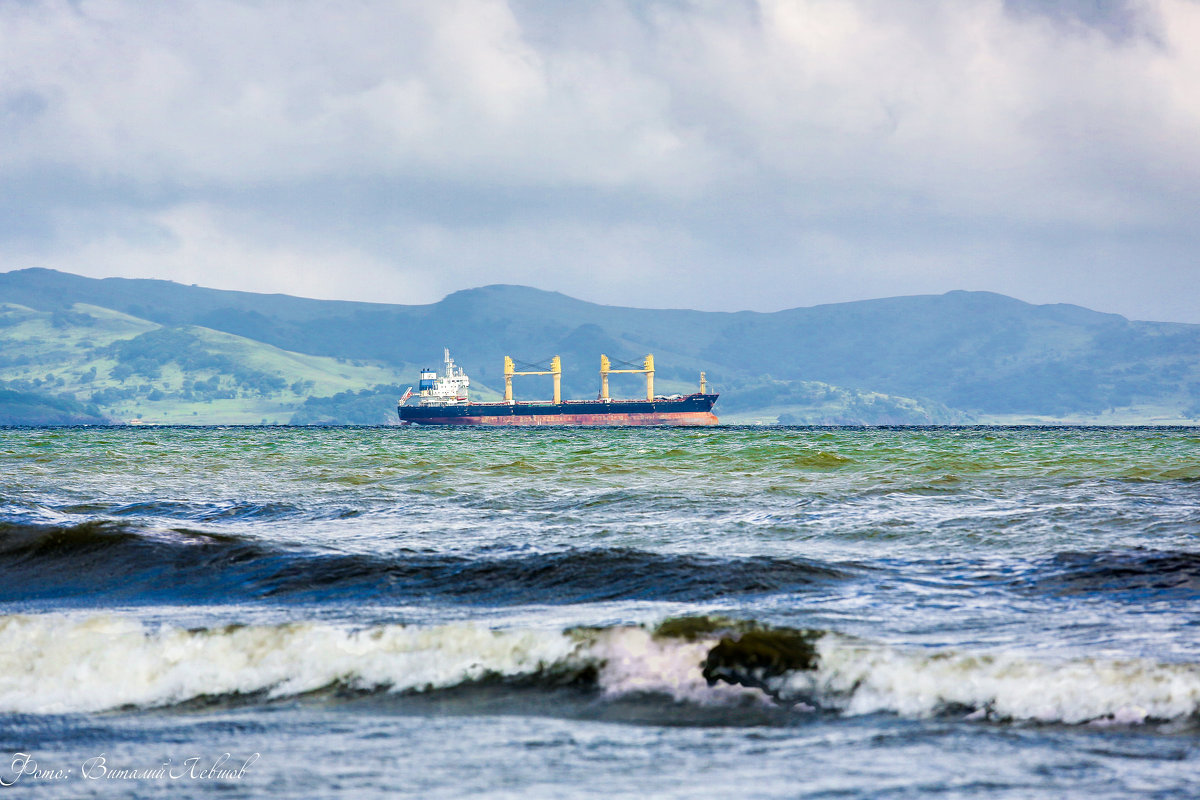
{"points": [[715, 154]]}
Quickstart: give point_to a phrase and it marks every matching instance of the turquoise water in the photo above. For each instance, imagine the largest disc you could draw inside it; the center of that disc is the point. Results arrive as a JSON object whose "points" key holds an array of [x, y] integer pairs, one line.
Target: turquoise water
{"points": [[588, 612]]}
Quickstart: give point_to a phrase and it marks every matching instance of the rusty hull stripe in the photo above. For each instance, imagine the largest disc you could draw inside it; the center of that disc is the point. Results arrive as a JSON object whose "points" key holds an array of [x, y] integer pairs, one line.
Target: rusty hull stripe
{"points": [[690, 418]]}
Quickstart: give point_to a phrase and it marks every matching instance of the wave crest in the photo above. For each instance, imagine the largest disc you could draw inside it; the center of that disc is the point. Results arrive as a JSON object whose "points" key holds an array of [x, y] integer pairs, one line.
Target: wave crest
{"points": [[118, 561], [1140, 571], [56, 663]]}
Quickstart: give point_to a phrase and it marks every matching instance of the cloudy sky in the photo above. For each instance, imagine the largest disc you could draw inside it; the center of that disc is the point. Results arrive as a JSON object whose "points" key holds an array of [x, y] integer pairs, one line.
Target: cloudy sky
{"points": [[714, 154]]}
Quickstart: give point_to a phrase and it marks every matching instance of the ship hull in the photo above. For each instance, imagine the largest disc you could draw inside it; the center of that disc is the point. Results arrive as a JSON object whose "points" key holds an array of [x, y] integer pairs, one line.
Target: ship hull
{"points": [[695, 410]]}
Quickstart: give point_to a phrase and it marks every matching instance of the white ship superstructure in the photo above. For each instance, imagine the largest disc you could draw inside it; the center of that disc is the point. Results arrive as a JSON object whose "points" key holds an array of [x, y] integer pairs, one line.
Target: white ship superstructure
{"points": [[444, 390]]}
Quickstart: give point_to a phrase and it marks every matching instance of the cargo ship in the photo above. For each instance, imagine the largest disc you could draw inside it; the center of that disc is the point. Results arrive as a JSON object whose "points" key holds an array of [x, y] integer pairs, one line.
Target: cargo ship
{"points": [[443, 400]]}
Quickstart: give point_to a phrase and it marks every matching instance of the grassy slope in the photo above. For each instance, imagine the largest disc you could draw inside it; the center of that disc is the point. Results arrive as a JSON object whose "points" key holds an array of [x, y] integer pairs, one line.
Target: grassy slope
{"points": [[57, 353]]}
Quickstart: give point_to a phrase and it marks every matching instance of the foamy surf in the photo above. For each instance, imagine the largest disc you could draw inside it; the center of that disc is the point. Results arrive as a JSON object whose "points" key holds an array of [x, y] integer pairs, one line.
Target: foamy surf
{"points": [[854, 678], [56, 663], [60, 663]]}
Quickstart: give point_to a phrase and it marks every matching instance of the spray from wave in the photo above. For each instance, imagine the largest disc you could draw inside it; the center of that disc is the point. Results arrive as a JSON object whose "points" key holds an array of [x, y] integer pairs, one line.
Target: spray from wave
{"points": [[57, 663]]}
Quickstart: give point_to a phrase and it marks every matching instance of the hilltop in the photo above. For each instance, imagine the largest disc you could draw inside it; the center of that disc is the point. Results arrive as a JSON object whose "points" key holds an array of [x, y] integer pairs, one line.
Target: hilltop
{"points": [[153, 350]]}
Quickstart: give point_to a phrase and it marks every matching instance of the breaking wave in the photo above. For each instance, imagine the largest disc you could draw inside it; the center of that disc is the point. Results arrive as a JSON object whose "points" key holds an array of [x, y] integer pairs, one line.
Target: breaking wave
{"points": [[59, 663], [115, 561]]}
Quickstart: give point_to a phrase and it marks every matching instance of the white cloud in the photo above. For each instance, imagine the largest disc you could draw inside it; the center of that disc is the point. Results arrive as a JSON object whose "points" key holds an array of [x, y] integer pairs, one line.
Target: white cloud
{"points": [[228, 93], [711, 154], [208, 246]]}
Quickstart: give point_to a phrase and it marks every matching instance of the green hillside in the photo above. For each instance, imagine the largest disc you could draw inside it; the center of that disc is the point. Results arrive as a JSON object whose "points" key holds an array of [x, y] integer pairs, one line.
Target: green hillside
{"points": [[962, 356], [125, 369]]}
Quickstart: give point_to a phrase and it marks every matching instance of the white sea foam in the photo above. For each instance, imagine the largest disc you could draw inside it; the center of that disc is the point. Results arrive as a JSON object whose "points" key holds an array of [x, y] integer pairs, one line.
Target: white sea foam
{"points": [[54, 663], [633, 661], [858, 678], [59, 663]]}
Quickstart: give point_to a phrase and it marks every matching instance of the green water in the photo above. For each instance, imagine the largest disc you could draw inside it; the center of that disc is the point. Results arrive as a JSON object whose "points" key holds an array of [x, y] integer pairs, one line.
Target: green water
{"points": [[455, 610]]}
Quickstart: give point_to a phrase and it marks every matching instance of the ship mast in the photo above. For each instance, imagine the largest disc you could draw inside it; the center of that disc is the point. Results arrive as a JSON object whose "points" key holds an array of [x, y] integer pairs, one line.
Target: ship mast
{"points": [[555, 370], [647, 369]]}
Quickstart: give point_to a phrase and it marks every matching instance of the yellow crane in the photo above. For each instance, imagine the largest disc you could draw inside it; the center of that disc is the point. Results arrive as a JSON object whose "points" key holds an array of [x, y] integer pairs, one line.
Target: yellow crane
{"points": [[555, 370], [647, 369]]}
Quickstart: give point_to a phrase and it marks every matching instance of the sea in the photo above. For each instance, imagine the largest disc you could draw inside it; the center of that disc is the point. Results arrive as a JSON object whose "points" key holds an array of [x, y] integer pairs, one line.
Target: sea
{"points": [[728, 612]]}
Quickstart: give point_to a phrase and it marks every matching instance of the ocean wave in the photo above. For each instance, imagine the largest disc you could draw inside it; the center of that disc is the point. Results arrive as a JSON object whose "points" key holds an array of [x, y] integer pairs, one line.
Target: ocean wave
{"points": [[863, 679], [1137, 571], [228, 511], [116, 561], [57, 663], [60, 663]]}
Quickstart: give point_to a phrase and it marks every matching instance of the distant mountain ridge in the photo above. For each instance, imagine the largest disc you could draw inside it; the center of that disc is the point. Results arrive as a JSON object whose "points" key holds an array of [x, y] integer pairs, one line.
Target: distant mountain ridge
{"points": [[951, 357]]}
